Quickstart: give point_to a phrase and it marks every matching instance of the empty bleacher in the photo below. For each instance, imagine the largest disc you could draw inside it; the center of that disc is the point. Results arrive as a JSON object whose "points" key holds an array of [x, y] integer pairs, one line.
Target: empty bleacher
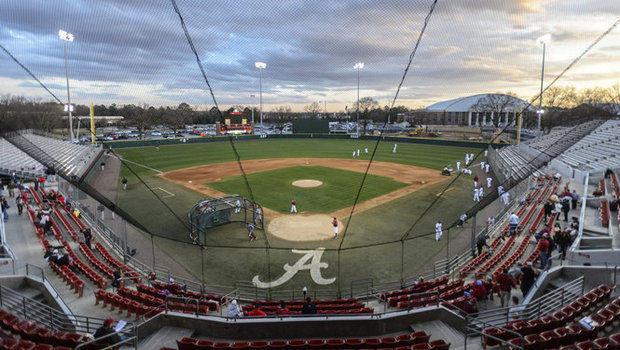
{"points": [[599, 149], [13, 160]]}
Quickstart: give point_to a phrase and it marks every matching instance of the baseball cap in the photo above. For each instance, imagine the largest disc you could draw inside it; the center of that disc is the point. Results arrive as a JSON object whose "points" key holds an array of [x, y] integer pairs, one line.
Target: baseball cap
{"points": [[529, 263], [479, 282], [108, 322]]}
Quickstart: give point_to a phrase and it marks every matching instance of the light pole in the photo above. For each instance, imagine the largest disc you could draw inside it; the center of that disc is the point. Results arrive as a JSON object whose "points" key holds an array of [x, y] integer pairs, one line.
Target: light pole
{"points": [[252, 97], [542, 40], [67, 37], [358, 66], [261, 66]]}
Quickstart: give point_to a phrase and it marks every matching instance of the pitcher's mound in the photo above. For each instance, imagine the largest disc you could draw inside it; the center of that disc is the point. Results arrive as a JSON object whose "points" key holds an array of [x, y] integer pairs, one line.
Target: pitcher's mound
{"points": [[307, 183], [303, 227]]}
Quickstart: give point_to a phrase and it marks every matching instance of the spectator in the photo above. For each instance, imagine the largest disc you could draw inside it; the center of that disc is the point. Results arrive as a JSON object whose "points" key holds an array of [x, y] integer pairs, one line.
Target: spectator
{"points": [[608, 173], [45, 223], [124, 182], [107, 330], [529, 276], [309, 308], [117, 278], [87, 237], [257, 312], [49, 252], [152, 278], [506, 283], [575, 198], [557, 208], [233, 310], [538, 235], [516, 272], [480, 293], [470, 305], [563, 240], [482, 242], [462, 220], [565, 209], [5, 206], [20, 204], [283, 309], [545, 250], [548, 207], [513, 220]]}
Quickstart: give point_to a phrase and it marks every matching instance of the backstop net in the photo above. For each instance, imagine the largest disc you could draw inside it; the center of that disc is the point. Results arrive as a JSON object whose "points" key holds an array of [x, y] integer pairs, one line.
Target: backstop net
{"points": [[213, 212]]}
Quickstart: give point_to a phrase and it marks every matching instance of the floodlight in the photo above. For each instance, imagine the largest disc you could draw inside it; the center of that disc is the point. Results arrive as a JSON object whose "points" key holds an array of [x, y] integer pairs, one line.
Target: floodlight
{"points": [[358, 65], [66, 36], [544, 39], [260, 65]]}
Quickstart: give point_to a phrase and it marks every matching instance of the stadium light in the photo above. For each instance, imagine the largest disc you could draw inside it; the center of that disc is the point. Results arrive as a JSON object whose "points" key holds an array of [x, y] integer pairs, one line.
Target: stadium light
{"points": [[542, 40], [358, 66], [261, 66], [67, 37]]}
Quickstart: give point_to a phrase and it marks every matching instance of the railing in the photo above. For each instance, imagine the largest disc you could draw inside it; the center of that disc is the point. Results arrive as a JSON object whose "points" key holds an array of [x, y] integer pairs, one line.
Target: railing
{"points": [[47, 316], [127, 336], [582, 213], [475, 331], [539, 307]]}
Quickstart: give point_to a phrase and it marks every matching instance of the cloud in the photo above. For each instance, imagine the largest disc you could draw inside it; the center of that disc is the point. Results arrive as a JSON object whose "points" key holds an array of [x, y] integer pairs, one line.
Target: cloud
{"points": [[136, 52]]}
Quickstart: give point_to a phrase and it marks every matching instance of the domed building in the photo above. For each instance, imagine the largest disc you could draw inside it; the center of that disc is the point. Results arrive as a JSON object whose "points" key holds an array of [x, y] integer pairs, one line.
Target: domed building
{"points": [[475, 110]]}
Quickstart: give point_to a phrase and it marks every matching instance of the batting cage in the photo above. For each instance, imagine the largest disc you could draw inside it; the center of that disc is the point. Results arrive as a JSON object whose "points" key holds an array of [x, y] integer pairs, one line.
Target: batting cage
{"points": [[214, 212]]}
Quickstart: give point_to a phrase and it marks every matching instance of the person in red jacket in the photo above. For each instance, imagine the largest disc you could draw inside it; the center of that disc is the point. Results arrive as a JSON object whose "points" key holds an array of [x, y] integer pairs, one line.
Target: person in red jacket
{"points": [[283, 309], [480, 293], [257, 312], [544, 246], [506, 283]]}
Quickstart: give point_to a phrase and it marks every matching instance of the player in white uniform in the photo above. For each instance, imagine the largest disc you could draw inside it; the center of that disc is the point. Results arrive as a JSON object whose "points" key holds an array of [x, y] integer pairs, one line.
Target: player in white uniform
{"points": [[481, 165], [394, 149], [237, 206], [293, 206], [353, 154], [486, 151], [486, 168], [500, 190], [476, 195], [358, 152], [259, 215], [506, 197], [458, 166], [481, 191], [489, 180], [335, 224], [365, 150], [438, 231], [467, 159]]}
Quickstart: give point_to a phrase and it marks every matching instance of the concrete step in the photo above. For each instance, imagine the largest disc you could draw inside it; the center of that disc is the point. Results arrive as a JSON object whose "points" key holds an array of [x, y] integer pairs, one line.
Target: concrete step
{"points": [[166, 336]]}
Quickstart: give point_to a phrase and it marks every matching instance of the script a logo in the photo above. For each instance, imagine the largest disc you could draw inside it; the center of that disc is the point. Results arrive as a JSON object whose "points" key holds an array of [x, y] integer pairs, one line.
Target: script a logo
{"points": [[315, 266]]}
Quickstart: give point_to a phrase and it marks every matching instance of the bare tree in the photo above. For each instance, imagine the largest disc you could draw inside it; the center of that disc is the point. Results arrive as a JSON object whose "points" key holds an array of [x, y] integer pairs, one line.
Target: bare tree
{"points": [[314, 108], [280, 115], [497, 104]]}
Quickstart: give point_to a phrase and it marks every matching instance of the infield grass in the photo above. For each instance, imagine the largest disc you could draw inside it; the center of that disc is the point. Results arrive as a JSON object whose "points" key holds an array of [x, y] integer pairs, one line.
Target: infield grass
{"points": [[273, 188]]}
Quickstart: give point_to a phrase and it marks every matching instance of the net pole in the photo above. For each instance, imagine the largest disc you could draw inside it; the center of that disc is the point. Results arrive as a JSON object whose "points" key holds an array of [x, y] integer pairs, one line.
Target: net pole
{"points": [[402, 263]]}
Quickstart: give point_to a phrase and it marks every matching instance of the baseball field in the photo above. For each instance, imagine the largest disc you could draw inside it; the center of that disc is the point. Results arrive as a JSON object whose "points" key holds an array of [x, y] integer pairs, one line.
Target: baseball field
{"points": [[387, 227]]}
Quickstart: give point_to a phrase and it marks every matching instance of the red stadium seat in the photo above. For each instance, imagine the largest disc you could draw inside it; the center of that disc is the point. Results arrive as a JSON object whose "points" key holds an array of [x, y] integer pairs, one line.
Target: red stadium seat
{"points": [[259, 344], [439, 344], [334, 344], [203, 344], [277, 344], [187, 343]]}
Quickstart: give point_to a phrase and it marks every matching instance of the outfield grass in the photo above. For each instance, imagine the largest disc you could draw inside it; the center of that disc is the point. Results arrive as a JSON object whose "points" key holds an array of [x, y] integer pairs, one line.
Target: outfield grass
{"points": [[182, 156], [273, 188]]}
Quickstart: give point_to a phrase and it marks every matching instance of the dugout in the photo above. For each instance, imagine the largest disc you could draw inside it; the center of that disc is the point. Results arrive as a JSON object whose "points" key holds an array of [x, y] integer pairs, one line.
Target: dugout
{"points": [[311, 126], [214, 212]]}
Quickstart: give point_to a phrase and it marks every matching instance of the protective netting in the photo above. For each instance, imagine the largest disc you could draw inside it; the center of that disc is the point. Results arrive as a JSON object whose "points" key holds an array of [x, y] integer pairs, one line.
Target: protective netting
{"points": [[385, 216]]}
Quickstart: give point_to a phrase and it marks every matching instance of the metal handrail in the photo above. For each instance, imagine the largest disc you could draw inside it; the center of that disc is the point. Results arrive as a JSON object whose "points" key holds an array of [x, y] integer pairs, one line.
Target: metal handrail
{"points": [[501, 341], [132, 338]]}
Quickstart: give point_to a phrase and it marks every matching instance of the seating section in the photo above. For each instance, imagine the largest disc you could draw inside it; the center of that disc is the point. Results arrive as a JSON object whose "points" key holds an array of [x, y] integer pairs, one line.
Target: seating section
{"points": [[129, 273], [329, 306], [125, 304], [415, 340], [212, 302], [34, 336], [72, 159], [69, 277], [599, 149], [557, 330], [604, 213], [13, 160]]}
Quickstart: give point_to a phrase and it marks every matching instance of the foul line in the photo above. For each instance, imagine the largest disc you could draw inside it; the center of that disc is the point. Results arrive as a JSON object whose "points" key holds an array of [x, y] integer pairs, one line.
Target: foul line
{"points": [[142, 165]]}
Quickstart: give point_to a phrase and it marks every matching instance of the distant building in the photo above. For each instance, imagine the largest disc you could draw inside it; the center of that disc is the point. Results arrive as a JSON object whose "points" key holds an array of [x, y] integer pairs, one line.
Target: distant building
{"points": [[476, 110]]}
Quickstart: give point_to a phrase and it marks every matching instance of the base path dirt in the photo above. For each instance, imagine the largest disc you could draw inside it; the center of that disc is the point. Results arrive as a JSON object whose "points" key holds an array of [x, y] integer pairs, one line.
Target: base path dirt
{"points": [[416, 177]]}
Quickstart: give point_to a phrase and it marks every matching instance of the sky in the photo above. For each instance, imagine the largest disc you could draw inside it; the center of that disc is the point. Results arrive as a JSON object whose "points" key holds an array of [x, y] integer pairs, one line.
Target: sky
{"points": [[135, 51]]}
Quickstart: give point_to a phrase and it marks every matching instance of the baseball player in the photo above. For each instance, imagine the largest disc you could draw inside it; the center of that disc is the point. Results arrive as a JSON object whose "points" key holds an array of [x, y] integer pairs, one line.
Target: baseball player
{"points": [[486, 151], [476, 195], [500, 190], [506, 197], [335, 224], [293, 205], [486, 167], [251, 234], [489, 180], [124, 182], [458, 166], [481, 165], [259, 216], [471, 157], [467, 159], [237, 206], [353, 153], [481, 191], [358, 152], [476, 181], [438, 231], [366, 150], [394, 150]]}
